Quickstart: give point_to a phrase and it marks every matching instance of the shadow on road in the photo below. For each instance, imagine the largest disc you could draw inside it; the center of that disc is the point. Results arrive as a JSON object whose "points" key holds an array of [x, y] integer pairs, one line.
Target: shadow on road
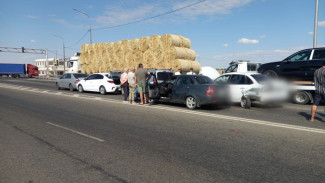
{"points": [[307, 116]]}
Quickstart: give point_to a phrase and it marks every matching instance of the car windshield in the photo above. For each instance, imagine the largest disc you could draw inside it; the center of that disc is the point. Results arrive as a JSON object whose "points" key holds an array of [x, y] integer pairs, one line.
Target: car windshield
{"points": [[80, 75], [260, 78], [164, 75], [203, 80]]}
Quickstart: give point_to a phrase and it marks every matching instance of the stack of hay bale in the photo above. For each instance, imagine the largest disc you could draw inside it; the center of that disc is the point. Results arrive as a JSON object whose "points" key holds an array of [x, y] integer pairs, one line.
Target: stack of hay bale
{"points": [[156, 52]]}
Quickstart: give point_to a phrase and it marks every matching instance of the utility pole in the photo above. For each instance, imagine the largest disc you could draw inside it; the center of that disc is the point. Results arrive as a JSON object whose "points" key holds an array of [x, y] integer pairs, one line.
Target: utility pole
{"points": [[316, 24], [63, 51], [90, 37]]}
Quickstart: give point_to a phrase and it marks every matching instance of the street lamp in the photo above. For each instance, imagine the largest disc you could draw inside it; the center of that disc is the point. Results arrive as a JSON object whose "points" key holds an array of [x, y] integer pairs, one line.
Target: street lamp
{"points": [[89, 23], [316, 24], [63, 52]]}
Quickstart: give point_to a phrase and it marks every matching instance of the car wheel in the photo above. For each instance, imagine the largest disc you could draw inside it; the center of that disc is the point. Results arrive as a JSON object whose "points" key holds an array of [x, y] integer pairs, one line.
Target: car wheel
{"points": [[71, 87], [245, 102], [80, 89], [191, 103], [301, 97], [102, 90], [57, 86], [270, 74]]}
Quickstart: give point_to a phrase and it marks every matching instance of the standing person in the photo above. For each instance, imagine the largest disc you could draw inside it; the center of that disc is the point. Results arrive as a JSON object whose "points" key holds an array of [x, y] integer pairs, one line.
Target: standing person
{"points": [[191, 72], [319, 79], [125, 84], [131, 80], [179, 72], [140, 80]]}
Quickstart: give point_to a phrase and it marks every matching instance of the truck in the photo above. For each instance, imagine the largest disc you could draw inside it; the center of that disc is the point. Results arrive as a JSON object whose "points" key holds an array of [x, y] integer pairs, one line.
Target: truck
{"points": [[74, 63], [18, 70]]}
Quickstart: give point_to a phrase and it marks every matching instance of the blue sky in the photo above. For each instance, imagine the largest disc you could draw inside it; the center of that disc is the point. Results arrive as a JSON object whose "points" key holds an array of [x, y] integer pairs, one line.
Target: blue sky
{"points": [[220, 30]]}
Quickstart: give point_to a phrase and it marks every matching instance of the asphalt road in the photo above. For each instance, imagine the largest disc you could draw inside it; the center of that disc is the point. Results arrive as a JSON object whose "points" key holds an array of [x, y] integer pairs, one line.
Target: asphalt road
{"points": [[48, 135]]}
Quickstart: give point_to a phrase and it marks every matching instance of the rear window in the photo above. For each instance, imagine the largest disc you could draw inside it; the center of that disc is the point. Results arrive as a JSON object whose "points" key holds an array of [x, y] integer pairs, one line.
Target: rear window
{"points": [[260, 78], [80, 75], [164, 75], [203, 80]]}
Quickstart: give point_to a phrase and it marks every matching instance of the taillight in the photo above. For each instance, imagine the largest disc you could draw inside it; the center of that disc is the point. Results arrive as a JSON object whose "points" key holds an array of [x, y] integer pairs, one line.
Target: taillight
{"points": [[110, 81], [77, 81], [210, 91], [154, 80]]}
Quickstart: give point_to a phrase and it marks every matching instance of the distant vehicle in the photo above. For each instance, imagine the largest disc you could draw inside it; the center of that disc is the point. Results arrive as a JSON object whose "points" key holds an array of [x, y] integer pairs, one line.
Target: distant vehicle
{"points": [[74, 64], [243, 66], [69, 80], [247, 87], [161, 74], [211, 72], [99, 82], [192, 90], [299, 66], [18, 70]]}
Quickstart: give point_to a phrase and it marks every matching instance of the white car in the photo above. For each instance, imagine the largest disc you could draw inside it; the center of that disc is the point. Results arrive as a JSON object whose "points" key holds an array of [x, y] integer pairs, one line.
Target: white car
{"points": [[247, 87], [99, 82]]}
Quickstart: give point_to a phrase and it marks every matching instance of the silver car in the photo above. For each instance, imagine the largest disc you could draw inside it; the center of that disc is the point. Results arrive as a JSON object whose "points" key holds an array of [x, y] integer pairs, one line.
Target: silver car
{"points": [[69, 80]]}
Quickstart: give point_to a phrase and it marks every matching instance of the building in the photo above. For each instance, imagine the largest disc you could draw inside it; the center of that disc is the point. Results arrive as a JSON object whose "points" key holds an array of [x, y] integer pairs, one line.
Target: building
{"points": [[52, 69]]}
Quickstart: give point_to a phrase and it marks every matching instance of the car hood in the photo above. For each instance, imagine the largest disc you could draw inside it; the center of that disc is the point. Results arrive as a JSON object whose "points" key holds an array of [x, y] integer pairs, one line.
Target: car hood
{"points": [[271, 63]]}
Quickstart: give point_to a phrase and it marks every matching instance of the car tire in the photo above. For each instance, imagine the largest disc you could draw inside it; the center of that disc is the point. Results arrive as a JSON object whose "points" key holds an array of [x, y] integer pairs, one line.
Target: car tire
{"points": [[301, 97], [57, 86], [80, 89], [245, 102], [270, 74], [71, 87], [191, 103], [102, 90]]}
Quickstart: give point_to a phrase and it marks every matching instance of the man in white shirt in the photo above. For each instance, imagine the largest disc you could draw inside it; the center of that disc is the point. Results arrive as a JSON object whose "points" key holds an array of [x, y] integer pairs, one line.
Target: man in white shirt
{"points": [[179, 72], [191, 72]]}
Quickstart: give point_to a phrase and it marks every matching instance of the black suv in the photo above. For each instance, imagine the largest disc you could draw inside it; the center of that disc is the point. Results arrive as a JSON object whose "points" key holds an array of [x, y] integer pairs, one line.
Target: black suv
{"points": [[299, 66]]}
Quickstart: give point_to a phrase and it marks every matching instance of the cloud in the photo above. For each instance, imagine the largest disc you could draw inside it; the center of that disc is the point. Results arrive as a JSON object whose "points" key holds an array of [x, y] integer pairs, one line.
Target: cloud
{"points": [[90, 6], [31, 16], [118, 15], [33, 41], [129, 11], [225, 45], [311, 33], [247, 41], [321, 23]]}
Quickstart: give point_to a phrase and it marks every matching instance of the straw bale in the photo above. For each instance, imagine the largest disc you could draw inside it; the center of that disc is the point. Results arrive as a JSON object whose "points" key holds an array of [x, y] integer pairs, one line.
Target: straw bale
{"points": [[169, 40], [196, 66], [182, 53], [144, 43], [185, 42], [134, 45], [185, 65]]}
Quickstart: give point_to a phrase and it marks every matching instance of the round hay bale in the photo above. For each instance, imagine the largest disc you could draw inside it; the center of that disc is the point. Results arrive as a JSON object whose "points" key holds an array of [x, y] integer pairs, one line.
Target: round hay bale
{"points": [[134, 45], [185, 42], [196, 66], [155, 42], [169, 40], [144, 43], [185, 65], [181, 53]]}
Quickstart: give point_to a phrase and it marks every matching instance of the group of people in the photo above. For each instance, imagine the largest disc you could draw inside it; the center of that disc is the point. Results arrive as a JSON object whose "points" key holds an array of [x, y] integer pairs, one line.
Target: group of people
{"points": [[130, 80]]}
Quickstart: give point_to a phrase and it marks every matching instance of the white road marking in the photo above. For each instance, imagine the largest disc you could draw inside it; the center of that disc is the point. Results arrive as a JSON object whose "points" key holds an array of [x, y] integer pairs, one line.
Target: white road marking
{"points": [[246, 120], [75, 131]]}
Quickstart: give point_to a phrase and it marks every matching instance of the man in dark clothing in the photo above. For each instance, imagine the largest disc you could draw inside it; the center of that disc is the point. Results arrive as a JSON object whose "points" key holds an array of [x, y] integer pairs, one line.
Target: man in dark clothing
{"points": [[319, 79]]}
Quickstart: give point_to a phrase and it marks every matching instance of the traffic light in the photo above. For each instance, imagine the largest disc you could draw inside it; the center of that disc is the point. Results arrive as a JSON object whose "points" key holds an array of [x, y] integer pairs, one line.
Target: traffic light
{"points": [[56, 62], [22, 49]]}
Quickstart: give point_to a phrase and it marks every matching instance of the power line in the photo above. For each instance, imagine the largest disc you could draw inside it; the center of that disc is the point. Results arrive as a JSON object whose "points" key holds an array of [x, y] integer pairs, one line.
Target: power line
{"points": [[78, 40], [145, 19]]}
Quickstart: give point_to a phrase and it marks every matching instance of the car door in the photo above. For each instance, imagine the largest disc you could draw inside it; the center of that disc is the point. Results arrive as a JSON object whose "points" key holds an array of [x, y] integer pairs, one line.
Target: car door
{"points": [[238, 85], [67, 81], [61, 80], [296, 66], [181, 88], [98, 81], [87, 85]]}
